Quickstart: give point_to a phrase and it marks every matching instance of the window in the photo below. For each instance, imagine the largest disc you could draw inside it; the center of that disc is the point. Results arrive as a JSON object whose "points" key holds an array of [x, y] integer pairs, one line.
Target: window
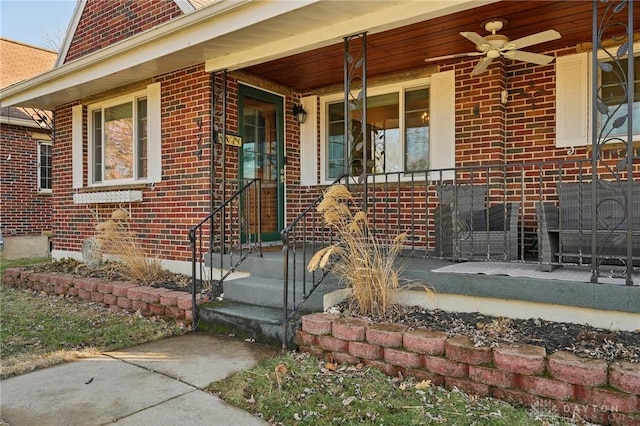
{"points": [[573, 99], [123, 143], [612, 95], [118, 141], [396, 135], [410, 127], [44, 167]]}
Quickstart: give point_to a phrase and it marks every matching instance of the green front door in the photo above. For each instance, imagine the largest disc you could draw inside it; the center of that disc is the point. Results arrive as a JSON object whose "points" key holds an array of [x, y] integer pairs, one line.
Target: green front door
{"points": [[261, 123]]}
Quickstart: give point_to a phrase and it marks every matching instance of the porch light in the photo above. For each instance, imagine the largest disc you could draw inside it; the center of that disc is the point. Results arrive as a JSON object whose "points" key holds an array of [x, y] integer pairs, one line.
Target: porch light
{"points": [[300, 113]]}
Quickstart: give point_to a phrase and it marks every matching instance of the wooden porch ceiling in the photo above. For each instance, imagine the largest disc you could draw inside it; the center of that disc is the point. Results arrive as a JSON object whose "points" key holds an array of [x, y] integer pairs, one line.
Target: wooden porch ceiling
{"points": [[406, 48]]}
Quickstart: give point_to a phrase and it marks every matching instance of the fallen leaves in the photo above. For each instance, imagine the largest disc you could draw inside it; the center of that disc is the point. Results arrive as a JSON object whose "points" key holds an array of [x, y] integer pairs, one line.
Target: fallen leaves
{"points": [[484, 330]]}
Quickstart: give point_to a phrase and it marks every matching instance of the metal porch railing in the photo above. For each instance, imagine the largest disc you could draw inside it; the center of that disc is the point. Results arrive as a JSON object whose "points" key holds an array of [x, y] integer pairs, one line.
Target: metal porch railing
{"points": [[224, 239], [306, 234], [489, 213]]}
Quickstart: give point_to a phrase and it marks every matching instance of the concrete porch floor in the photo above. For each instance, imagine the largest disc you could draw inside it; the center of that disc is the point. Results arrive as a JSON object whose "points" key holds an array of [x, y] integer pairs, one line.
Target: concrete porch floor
{"points": [[513, 289], [523, 290]]}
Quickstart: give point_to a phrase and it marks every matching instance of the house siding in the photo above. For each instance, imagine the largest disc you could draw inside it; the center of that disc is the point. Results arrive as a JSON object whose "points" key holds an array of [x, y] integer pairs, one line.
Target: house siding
{"points": [[25, 211], [106, 22]]}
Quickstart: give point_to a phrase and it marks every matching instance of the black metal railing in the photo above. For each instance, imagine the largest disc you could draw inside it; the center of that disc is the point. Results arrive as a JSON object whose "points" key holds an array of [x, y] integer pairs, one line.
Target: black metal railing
{"points": [[538, 212], [305, 235], [224, 239]]}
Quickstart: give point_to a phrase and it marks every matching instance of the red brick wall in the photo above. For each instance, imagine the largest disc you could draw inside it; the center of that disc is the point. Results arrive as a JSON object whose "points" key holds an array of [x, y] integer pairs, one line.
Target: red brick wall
{"points": [[170, 207], [519, 374], [23, 210], [105, 22]]}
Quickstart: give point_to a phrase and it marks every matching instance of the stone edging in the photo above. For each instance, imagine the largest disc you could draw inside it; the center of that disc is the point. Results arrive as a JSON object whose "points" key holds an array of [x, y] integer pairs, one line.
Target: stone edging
{"points": [[520, 374], [116, 295]]}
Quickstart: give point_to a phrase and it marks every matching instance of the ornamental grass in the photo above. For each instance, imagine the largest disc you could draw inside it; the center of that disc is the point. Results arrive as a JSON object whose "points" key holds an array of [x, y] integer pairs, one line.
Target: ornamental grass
{"points": [[115, 238], [358, 257]]}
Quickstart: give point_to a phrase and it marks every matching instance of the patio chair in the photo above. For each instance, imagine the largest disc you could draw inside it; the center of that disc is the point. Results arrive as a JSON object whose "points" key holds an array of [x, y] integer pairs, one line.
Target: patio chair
{"points": [[564, 231], [465, 228]]}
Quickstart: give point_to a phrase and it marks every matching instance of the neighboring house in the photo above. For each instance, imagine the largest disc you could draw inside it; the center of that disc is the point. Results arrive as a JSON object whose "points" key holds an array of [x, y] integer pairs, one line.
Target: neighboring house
{"points": [[138, 85], [25, 158]]}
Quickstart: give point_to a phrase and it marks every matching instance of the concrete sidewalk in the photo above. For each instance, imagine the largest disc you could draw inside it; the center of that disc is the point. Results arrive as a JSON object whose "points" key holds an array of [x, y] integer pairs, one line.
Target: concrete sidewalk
{"points": [[157, 383]]}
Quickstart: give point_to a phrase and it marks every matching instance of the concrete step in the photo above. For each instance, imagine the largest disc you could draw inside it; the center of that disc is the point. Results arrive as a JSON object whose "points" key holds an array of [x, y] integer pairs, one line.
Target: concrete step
{"points": [[270, 265], [260, 291], [246, 321]]}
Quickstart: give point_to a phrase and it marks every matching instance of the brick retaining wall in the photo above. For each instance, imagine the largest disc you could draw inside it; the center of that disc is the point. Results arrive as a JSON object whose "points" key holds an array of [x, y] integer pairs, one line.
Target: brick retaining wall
{"points": [[117, 295], [521, 374]]}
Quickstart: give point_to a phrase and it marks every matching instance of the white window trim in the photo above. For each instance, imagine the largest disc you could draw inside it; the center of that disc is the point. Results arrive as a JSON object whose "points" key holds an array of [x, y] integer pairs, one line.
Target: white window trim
{"points": [[154, 143], [400, 88], [40, 189], [101, 106]]}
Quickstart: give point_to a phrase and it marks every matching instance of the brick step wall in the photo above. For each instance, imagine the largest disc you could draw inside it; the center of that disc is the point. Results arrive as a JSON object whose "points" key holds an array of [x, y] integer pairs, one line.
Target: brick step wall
{"points": [[117, 295], [520, 374]]}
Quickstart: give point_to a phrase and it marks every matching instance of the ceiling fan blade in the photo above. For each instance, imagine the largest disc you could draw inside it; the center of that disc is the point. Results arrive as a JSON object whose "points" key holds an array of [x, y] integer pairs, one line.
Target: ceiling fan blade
{"points": [[454, 56], [476, 38], [482, 66], [534, 58], [532, 39]]}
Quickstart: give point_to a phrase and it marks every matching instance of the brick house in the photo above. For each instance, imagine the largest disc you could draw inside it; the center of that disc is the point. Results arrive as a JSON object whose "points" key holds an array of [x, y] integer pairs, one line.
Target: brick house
{"points": [[25, 150], [185, 76]]}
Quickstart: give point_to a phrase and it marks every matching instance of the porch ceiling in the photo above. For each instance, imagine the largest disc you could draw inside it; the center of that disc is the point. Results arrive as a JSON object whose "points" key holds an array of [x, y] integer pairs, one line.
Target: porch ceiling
{"points": [[406, 48], [299, 44]]}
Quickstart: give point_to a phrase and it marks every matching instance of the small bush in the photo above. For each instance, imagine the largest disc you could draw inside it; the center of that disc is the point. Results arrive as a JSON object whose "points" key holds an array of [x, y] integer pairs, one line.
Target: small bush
{"points": [[115, 237], [358, 257]]}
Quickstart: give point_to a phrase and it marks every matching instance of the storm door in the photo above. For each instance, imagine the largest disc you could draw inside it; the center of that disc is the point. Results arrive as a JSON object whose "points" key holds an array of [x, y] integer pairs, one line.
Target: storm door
{"points": [[261, 157]]}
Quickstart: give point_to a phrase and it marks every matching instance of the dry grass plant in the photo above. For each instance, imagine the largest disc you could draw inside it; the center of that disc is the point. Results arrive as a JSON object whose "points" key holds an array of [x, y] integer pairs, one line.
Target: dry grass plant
{"points": [[116, 238], [359, 258]]}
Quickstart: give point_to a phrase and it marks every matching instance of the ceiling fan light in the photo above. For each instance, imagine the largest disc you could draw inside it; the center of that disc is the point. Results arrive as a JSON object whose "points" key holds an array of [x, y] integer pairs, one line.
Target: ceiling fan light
{"points": [[493, 53]]}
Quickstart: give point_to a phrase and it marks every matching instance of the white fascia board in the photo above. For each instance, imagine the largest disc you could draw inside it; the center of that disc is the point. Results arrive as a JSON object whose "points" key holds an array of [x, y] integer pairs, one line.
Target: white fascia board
{"points": [[185, 6], [181, 33], [19, 122], [71, 30], [382, 20]]}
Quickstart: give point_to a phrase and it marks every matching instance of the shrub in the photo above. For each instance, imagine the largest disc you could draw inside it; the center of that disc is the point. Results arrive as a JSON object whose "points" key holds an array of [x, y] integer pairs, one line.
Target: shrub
{"points": [[358, 257]]}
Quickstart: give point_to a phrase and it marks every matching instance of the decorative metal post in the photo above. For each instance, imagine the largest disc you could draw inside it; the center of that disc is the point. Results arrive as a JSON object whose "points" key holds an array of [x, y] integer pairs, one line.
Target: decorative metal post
{"points": [[355, 110], [612, 43]]}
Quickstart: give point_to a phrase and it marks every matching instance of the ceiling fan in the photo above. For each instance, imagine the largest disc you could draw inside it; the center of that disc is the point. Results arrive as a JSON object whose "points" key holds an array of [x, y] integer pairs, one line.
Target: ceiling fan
{"points": [[496, 45]]}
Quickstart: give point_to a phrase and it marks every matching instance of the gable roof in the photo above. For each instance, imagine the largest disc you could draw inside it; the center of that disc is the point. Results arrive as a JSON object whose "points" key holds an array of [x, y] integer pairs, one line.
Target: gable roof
{"points": [[186, 6]]}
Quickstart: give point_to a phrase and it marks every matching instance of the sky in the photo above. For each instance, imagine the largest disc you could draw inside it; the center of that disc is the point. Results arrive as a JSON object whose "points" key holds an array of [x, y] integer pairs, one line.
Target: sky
{"points": [[35, 22]]}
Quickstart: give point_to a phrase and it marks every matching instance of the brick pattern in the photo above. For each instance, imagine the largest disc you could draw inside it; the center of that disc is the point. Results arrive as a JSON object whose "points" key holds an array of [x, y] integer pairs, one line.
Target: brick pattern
{"points": [[24, 210], [116, 295], [521, 374], [106, 22]]}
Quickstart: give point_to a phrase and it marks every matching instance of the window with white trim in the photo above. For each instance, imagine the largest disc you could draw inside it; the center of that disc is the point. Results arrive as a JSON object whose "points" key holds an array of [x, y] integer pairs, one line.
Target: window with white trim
{"points": [[44, 167], [573, 98], [399, 131], [118, 140], [123, 140], [612, 95]]}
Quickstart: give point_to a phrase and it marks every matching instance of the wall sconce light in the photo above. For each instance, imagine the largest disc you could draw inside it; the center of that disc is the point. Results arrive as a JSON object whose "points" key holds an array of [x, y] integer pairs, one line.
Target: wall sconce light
{"points": [[300, 113]]}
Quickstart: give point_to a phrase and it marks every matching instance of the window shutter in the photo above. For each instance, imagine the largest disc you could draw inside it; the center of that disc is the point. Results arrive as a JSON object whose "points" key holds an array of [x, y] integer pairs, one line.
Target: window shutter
{"points": [[154, 132], [442, 123], [77, 160], [309, 142], [572, 100]]}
